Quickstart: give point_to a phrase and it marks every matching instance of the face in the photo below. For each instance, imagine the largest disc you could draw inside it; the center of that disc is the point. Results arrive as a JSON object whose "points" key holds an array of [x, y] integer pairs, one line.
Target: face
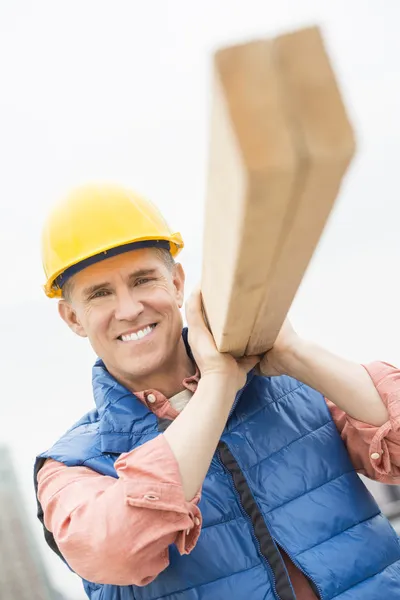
{"points": [[128, 307]]}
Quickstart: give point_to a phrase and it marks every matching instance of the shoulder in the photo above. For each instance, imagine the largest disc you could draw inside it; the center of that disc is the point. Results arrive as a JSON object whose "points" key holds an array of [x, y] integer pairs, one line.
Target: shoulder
{"points": [[285, 391], [79, 444], [276, 389]]}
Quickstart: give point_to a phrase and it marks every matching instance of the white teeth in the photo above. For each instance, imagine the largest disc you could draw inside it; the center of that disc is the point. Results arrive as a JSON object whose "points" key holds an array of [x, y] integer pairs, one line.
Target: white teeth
{"points": [[138, 335]]}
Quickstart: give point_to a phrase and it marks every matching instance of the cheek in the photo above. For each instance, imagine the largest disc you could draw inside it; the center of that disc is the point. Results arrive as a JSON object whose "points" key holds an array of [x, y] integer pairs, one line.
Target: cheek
{"points": [[96, 323], [171, 310], [165, 302]]}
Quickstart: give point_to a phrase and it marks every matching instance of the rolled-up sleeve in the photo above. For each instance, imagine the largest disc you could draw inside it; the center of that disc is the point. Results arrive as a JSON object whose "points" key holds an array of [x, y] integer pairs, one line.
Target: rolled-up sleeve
{"points": [[117, 531], [375, 451]]}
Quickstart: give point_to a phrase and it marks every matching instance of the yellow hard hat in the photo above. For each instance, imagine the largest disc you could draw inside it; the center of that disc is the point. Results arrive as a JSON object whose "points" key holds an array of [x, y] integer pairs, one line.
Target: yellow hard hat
{"points": [[95, 222]]}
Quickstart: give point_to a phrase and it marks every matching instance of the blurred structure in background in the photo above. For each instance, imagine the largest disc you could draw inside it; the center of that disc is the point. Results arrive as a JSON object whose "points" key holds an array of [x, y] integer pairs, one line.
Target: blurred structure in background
{"points": [[22, 572]]}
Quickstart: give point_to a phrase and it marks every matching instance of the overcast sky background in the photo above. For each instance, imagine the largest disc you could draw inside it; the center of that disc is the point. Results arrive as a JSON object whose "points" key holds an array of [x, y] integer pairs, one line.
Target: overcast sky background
{"points": [[119, 91]]}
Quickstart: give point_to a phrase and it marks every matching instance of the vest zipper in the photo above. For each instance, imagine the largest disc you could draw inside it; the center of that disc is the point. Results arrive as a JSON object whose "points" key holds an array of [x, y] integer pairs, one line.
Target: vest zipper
{"points": [[252, 527], [275, 540], [294, 561]]}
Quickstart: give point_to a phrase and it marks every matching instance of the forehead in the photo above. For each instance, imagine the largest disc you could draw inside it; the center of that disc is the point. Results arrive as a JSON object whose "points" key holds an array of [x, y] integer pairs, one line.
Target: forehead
{"points": [[122, 265]]}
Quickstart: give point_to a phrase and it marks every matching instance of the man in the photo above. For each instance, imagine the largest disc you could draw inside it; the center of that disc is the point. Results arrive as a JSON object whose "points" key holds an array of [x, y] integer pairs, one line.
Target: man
{"points": [[195, 476]]}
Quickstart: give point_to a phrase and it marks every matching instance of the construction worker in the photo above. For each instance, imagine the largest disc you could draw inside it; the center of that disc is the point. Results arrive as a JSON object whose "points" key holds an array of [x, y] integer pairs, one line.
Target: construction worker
{"points": [[194, 476]]}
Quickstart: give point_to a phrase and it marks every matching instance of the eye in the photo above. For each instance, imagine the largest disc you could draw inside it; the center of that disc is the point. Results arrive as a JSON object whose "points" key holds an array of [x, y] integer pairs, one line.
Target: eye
{"points": [[99, 294], [143, 280]]}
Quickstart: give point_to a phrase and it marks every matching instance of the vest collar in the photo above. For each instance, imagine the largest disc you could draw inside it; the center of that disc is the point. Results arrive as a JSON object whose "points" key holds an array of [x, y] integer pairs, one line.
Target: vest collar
{"points": [[124, 420]]}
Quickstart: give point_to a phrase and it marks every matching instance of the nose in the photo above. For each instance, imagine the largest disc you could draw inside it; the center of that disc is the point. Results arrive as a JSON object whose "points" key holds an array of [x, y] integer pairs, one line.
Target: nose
{"points": [[128, 308]]}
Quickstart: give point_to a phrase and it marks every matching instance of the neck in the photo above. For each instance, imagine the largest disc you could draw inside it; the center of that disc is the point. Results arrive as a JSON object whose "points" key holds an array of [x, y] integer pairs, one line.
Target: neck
{"points": [[167, 380]]}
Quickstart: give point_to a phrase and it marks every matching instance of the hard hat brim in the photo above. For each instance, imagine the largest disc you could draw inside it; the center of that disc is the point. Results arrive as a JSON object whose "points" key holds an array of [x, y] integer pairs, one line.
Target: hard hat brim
{"points": [[53, 287]]}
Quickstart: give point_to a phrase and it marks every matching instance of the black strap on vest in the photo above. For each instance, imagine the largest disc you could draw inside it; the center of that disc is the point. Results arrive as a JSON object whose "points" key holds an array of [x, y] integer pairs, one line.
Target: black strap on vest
{"points": [[47, 534], [268, 548]]}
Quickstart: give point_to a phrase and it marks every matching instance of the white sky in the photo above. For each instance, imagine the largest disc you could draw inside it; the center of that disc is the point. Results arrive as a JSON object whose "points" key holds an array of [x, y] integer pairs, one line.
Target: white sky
{"points": [[119, 91]]}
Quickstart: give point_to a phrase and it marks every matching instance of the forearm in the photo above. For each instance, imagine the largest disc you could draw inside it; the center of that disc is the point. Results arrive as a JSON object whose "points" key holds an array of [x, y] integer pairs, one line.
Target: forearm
{"points": [[195, 433], [343, 382]]}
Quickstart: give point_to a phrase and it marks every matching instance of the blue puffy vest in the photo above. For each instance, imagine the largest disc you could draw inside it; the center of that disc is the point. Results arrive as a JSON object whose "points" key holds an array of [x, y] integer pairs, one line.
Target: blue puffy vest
{"points": [[281, 479]]}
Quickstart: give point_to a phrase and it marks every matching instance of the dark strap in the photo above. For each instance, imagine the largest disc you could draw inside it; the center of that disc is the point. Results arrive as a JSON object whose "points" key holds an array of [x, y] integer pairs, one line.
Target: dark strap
{"points": [[268, 548], [47, 534]]}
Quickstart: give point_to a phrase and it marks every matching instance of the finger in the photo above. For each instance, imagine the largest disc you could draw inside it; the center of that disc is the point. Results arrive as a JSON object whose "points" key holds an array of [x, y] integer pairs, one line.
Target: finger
{"points": [[195, 313], [265, 368], [193, 307], [248, 362]]}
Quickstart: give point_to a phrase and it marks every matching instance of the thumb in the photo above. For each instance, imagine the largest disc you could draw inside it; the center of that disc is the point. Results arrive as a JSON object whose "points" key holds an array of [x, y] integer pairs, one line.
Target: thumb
{"points": [[193, 308]]}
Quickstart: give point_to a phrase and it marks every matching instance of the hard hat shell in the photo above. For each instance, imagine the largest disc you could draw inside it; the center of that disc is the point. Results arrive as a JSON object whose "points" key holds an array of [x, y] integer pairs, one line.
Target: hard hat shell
{"points": [[93, 220]]}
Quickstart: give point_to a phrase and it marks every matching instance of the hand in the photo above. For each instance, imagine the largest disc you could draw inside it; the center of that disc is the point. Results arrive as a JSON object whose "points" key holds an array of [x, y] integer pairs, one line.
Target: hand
{"points": [[208, 359], [276, 360]]}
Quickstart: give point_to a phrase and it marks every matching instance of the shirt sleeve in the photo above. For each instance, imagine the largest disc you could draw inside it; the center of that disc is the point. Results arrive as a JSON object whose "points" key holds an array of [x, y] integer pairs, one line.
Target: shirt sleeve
{"points": [[375, 451], [117, 531]]}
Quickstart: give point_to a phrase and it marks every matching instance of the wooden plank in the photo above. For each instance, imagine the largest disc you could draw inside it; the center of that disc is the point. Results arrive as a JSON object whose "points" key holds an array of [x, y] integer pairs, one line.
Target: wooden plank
{"points": [[324, 139], [252, 166], [280, 144]]}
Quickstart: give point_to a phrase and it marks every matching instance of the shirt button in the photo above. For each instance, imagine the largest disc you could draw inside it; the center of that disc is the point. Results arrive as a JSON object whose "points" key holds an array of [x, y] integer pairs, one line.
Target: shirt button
{"points": [[375, 456], [151, 497], [151, 398], [197, 521]]}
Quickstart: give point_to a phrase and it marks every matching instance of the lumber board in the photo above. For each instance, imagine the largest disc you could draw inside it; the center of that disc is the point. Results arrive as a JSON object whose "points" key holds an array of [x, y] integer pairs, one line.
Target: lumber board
{"points": [[280, 144], [252, 164], [325, 140]]}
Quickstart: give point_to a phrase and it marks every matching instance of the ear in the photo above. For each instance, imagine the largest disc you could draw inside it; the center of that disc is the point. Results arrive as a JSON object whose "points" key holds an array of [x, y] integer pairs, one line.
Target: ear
{"points": [[68, 314], [179, 283]]}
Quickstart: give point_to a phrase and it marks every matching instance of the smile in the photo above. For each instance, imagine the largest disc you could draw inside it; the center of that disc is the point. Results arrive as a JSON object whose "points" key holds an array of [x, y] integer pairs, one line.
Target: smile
{"points": [[137, 335]]}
